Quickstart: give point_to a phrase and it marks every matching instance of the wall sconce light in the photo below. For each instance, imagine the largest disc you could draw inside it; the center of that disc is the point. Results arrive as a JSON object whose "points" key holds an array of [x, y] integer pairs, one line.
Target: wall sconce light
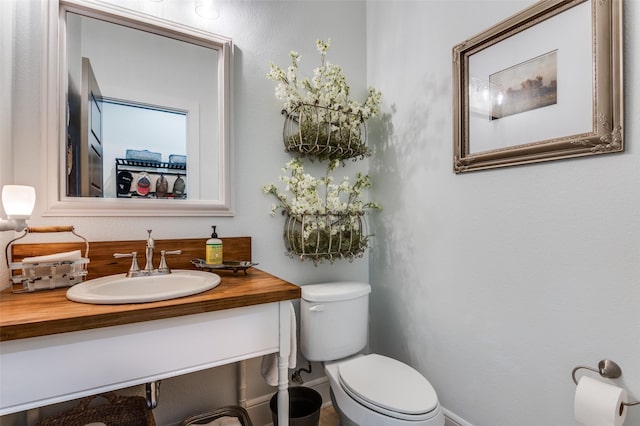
{"points": [[18, 202], [208, 9]]}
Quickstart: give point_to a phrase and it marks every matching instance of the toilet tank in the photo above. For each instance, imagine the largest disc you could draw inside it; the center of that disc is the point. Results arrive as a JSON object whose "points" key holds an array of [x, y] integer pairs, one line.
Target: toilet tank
{"points": [[333, 320]]}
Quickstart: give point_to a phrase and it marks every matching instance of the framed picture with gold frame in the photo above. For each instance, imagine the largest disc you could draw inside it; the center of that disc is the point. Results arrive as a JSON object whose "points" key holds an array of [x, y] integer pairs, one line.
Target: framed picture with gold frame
{"points": [[544, 84]]}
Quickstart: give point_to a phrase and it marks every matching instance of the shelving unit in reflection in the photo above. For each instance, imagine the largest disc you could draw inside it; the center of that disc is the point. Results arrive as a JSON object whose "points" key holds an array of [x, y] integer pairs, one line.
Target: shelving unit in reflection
{"points": [[150, 179]]}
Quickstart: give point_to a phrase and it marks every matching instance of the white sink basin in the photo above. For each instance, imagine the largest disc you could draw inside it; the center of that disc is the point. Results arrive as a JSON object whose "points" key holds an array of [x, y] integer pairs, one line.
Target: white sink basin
{"points": [[118, 289]]}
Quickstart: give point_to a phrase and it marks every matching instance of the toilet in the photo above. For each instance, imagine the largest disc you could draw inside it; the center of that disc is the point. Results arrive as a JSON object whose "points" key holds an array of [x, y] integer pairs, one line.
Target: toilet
{"points": [[366, 390]]}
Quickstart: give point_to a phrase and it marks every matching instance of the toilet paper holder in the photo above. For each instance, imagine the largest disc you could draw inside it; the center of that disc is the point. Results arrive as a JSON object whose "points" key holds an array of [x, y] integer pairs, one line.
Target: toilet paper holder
{"points": [[607, 369]]}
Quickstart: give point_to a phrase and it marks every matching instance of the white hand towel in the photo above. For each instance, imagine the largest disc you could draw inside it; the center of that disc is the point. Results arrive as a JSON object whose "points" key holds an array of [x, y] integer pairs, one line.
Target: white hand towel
{"points": [[56, 257], [269, 365]]}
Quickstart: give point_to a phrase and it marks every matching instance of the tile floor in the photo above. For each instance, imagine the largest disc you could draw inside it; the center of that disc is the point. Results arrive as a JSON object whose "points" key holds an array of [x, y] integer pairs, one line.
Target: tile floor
{"points": [[329, 417]]}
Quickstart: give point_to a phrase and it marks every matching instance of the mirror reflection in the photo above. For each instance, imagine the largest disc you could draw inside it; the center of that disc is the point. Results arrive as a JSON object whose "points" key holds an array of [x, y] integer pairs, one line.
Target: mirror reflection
{"points": [[142, 114]]}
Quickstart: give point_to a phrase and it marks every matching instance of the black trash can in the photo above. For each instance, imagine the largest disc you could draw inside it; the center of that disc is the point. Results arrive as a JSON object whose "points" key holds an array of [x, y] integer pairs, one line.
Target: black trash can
{"points": [[304, 407]]}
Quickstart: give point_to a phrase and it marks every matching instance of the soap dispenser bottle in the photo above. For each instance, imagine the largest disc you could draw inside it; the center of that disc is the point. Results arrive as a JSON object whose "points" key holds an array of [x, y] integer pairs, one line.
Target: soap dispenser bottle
{"points": [[213, 251]]}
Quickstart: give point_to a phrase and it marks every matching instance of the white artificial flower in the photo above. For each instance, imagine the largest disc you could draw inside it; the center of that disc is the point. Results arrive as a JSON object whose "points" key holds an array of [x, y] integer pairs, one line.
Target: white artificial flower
{"points": [[326, 89]]}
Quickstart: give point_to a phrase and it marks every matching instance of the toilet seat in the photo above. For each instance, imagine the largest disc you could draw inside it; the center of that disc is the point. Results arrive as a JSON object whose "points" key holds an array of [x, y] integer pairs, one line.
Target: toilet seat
{"points": [[389, 387]]}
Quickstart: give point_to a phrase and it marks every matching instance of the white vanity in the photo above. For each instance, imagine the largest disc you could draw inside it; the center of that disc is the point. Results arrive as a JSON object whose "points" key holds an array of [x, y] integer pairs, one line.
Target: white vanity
{"points": [[54, 350]]}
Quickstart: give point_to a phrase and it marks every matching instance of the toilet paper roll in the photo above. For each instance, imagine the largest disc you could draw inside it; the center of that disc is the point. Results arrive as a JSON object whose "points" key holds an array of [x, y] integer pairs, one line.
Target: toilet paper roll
{"points": [[599, 404]]}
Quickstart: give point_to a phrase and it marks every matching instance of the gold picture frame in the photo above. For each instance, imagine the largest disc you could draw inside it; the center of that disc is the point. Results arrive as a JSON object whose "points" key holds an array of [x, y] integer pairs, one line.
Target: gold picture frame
{"points": [[544, 84]]}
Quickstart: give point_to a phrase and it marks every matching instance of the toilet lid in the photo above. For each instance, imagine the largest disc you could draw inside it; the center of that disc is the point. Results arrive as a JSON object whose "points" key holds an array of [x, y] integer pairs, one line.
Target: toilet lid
{"points": [[388, 386]]}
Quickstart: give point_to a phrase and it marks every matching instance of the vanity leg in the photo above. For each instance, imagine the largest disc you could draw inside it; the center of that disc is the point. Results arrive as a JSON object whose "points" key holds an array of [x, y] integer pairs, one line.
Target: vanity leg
{"points": [[283, 392], [283, 363]]}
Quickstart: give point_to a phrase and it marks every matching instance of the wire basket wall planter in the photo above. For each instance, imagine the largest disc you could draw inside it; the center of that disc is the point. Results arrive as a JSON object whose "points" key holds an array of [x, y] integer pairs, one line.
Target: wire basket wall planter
{"points": [[322, 123], [325, 133], [330, 236]]}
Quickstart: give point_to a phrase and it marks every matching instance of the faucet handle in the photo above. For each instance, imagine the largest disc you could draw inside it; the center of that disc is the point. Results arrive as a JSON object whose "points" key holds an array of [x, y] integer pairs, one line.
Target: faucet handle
{"points": [[134, 261], [164, 268]]}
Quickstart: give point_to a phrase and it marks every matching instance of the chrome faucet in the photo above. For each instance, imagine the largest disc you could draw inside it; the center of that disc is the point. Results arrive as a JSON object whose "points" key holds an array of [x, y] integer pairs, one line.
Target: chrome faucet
{"points": [[163, 268], [151, 244]]}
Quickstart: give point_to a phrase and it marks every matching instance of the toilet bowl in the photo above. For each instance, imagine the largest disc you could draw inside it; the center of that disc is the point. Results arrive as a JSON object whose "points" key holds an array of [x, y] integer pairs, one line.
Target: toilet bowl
{"points": [[375, 390], [366, 390]]}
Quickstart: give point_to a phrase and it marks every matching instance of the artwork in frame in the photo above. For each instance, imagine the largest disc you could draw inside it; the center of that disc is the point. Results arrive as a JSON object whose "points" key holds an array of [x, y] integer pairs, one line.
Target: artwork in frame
{"points": [[525, 92], [523, 87]]}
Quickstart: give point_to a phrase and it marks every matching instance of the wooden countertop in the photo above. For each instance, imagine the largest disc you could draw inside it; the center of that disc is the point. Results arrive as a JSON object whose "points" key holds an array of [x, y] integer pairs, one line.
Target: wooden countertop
{"points": [[49, 312]]}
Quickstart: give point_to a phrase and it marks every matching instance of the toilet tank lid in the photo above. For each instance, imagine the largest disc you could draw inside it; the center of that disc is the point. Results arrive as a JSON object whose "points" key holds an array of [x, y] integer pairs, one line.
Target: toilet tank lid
{"points": [[334, 292]]}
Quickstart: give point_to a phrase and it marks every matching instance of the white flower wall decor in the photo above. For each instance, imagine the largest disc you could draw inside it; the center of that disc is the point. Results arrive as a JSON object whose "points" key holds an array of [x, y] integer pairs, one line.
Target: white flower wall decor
{"points": [[325, 219]]}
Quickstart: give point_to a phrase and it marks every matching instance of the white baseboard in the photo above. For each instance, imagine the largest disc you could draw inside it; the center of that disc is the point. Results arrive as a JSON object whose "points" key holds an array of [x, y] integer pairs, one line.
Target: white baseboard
{"points": [[453, 420]]}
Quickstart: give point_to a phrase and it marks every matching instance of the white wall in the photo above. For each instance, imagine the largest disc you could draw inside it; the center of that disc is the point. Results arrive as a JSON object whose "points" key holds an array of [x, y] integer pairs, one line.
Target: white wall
{"points": [[496, 284], [262, 32], [493, 284], [7, 11], [183, 77]]}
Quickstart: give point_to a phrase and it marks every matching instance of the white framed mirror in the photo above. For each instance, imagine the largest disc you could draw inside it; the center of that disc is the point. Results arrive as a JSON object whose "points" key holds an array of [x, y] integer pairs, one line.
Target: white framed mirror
{"points": [[138, 114]]}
